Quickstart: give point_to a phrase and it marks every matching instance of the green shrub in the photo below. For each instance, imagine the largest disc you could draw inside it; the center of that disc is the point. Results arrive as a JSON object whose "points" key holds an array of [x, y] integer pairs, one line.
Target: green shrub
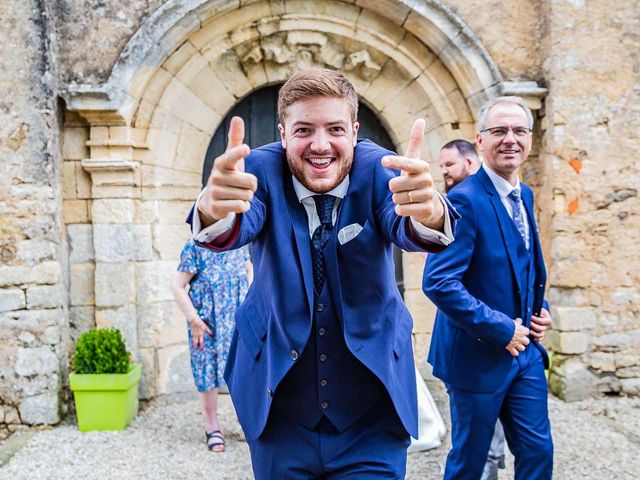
{"points": [[101, 351]]}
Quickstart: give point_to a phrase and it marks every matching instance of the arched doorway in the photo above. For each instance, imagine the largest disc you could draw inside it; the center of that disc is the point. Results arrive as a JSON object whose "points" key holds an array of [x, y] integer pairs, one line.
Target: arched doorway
{"points": [[260, 113]]}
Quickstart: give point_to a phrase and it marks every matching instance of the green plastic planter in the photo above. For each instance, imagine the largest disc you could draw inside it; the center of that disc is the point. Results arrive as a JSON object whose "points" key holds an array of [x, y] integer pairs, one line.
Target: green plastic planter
{"points": [[105, 401]]}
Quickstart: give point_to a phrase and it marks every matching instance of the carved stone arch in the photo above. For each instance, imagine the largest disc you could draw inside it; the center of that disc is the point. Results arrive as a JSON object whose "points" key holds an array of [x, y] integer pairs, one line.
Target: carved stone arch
{"points": [[187, 66]]}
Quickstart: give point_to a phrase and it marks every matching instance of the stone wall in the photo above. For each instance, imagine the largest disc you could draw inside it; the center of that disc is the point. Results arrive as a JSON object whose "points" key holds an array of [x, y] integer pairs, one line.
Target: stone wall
{"points": [[92, 204], [33, 349], [592, 69]]}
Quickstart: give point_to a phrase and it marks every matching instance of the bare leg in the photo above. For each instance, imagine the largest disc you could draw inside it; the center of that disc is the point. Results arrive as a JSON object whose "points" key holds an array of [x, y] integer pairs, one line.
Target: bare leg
{"points": [[209, 401]]}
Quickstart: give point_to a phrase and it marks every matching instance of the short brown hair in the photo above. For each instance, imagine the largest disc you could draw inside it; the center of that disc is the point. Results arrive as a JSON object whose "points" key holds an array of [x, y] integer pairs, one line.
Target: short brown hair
{"points": [[316, 82]]}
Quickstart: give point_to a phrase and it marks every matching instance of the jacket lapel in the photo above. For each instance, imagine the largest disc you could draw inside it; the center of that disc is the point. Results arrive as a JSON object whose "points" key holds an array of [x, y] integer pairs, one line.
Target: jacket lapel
{"points": [[505, 223], [300, 225]]}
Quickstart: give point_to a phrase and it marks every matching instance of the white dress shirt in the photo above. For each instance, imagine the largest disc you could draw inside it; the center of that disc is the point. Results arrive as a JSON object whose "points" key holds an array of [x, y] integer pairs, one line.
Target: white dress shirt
{"points": [[504, 188]]}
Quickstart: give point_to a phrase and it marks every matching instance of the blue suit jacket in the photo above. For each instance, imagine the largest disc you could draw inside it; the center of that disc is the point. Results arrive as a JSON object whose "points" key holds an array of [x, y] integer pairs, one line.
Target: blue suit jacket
{"points": [[276, 316], [475, 287]]}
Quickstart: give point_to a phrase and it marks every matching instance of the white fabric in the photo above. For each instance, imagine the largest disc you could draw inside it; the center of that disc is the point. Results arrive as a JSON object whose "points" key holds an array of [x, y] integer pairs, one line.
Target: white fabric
{"points": [[431, 427]]}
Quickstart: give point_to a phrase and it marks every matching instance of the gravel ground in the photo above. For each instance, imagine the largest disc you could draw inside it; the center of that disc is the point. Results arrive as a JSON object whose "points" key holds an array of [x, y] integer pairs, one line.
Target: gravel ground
{"points": [[595, 439]]}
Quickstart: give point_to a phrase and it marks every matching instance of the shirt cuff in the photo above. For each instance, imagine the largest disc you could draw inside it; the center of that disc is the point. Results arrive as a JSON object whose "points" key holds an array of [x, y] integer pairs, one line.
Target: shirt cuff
{"points": [[212, 232], [434, 236]]}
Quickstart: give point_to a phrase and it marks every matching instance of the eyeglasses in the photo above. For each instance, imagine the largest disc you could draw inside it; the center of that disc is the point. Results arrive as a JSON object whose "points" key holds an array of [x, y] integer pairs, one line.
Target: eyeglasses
{"points": [[501, 132]]}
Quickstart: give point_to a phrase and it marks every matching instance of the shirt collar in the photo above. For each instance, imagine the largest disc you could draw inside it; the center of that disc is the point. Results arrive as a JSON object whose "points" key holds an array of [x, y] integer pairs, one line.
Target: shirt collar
{"points": [[503, 187], [303, 192]]}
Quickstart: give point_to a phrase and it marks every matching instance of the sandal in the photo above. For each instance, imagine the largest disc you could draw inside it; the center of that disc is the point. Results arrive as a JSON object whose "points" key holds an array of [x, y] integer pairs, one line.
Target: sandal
{"points": [[217, 445]]}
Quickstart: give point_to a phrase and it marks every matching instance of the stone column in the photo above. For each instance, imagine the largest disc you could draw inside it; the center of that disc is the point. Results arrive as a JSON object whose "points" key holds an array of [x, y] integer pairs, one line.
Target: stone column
{"points": [[114, 166]]}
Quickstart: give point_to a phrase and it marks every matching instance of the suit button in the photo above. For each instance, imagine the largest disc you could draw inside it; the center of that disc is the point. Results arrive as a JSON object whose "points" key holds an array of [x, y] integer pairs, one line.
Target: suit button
{"points": [[323, 383], [324, 405], [269, 393], [323, 357], [320, 307], [321, 331], [294, 355]]}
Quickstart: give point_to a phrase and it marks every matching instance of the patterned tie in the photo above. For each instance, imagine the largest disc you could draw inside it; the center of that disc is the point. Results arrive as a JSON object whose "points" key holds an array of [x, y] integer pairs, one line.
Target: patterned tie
{"points": [[518, 219], [324, 207]]}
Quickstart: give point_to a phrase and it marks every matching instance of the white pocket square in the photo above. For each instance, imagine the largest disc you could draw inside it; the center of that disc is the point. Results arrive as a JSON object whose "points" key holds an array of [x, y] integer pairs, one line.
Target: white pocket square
{"points": [[348, 233]]}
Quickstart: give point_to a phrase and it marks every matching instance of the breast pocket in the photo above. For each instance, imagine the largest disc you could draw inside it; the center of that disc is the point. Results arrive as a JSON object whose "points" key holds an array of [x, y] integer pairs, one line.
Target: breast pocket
{"points": [[360, 241], [252, 324]]}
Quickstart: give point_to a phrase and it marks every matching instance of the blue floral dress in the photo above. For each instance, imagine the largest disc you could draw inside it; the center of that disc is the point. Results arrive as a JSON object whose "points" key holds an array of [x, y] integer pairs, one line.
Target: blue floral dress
{"points": [[218, 287]]}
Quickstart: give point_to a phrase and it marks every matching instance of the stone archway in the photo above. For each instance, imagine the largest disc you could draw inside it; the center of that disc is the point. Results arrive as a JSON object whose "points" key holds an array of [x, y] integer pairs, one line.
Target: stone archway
{"points": [[189, 63]]}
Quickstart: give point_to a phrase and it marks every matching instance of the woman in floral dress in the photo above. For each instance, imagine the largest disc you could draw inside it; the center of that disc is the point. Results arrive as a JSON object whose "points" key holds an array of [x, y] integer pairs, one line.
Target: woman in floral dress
{"points": [[218, 283]]}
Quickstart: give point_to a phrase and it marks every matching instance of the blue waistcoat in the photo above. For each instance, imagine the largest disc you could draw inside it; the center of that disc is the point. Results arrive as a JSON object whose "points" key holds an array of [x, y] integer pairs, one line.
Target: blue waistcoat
{"points": [[327, 379]]}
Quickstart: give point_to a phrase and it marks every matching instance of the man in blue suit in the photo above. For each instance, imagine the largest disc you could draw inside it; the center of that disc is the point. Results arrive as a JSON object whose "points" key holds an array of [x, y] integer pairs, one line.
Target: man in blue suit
{"points": [[320, 368], [489, 290]]}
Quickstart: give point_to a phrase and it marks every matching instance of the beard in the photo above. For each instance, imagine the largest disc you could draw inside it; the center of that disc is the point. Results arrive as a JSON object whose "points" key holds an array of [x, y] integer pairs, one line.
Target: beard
{"points": [[299, 170]]}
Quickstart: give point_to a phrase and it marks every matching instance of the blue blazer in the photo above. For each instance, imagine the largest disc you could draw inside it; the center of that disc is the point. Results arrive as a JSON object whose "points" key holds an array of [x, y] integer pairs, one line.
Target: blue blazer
{"points": [[477, 291], [276, 317]]}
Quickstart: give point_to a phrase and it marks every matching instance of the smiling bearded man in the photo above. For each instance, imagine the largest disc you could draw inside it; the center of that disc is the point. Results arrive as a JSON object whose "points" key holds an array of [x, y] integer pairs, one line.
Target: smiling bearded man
{"points": [[320, 368]]}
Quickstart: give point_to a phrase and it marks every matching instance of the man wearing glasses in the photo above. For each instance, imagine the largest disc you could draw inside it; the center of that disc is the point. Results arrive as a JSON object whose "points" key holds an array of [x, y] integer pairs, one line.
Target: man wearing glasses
{"points": [[489, 290]]}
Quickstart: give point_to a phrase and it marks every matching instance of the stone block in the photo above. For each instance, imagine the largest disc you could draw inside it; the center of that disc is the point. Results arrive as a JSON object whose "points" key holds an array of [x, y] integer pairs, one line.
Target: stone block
{"points": [[68, 175], [627, 358], [568, 319], [156, 278], [45, 296], [412, 269], [627, 297], [174, 211], [36, 361], [143, 243], [11, 299], [27, 339], [630, 386], [74, 143], [80, 238], [114, 284], [81, 319], [148, 387], [571, 380], [574, 274], [628, 372], [108, 211], [422, 311], [31, 252], [617, 341], [212, 91], [51, 335], [174, 369], [163, 146], [40, 409], [124, 319], [421, 344], [114, 243], [192, 148], [187, 106], [169, 240], [602, 361], [83, 181], [75, 211], [160, 324], [567, 342], [11, 415], [82, 284], [45, 273]]}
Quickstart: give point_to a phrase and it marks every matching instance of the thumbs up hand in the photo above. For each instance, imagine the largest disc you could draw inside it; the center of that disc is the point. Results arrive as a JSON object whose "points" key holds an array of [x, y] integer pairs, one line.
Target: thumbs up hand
{"points": [[229, 188], [413, 191]]}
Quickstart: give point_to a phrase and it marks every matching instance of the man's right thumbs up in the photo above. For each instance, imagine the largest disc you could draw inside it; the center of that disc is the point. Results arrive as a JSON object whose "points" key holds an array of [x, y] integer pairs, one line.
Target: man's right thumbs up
{"points": [[229, 188]]}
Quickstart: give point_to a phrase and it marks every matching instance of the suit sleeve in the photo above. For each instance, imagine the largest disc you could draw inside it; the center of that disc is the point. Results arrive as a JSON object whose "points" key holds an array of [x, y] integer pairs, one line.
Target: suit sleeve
{"points": [[443, 283], [247, 225], [396, 229]]}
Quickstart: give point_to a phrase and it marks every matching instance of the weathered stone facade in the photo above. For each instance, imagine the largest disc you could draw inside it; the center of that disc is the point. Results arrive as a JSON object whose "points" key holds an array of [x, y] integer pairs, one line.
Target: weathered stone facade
{"points": [[95, 186]]}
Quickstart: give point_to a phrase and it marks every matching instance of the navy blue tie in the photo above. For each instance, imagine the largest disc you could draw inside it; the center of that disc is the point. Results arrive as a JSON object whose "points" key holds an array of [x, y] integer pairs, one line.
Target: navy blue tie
{"points": [[518, 219], [324, 207]]}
